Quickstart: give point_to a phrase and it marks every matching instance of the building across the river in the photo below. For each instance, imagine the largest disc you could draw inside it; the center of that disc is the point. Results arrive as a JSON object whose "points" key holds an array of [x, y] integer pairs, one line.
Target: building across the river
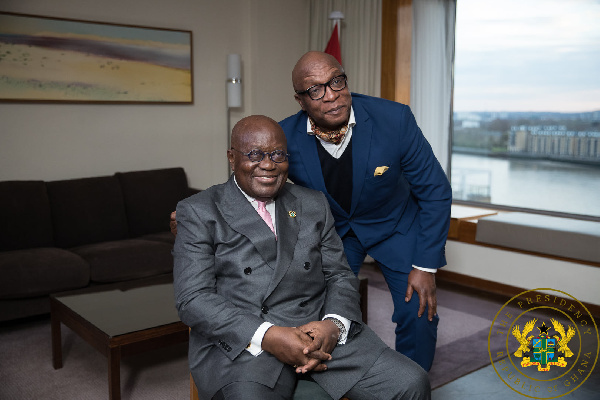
{"points": [[554, 141]]}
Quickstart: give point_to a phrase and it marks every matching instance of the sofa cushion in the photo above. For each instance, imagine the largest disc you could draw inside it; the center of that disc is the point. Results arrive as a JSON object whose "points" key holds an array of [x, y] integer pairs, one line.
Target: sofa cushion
{"points": [[126, 259], [150, 197], [87, 210], [41, 271], [165, 237], [24, 215]]}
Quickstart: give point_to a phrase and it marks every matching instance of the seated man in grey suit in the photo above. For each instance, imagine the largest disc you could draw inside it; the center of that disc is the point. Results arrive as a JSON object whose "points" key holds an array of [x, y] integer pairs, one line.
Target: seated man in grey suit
{"points": [[262, 280]]}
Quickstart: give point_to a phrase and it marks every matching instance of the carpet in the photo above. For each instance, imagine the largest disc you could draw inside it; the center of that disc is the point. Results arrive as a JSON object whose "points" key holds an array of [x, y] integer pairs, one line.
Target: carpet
{"points": [[26, 370]]}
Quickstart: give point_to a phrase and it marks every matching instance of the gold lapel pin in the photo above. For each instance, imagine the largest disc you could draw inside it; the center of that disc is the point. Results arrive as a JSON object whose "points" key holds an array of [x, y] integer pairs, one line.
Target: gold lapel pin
{"points": [[292, 214]]}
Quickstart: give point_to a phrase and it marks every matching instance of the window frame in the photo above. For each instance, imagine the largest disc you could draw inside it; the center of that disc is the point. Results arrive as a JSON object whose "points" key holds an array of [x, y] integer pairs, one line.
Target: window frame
{"points": [[499, 207]]}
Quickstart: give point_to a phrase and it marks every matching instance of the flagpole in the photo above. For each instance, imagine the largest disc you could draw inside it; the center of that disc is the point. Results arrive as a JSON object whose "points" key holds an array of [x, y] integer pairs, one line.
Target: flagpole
{"points": [[337, 17]]}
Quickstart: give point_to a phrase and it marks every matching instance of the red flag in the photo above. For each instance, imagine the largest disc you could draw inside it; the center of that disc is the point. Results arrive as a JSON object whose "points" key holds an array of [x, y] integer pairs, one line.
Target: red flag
{"points": [[333, 46]]}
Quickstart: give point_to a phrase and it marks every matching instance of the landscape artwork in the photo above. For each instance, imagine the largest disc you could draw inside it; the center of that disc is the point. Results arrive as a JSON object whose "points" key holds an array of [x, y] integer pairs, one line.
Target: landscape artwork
{"points": [[48, 59]]}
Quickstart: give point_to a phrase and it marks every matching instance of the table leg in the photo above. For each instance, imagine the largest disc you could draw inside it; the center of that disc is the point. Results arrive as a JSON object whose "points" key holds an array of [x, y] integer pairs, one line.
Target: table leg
{"points": [[56, 340], [114, 373]]}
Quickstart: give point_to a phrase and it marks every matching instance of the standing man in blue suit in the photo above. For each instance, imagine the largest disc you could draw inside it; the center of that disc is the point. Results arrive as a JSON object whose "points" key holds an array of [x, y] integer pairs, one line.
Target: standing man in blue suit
{"points": [[388, 193]]}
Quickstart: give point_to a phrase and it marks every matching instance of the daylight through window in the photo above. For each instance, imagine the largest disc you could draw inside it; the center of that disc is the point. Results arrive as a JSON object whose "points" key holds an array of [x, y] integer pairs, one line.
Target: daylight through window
{"points": [[526, 129]]}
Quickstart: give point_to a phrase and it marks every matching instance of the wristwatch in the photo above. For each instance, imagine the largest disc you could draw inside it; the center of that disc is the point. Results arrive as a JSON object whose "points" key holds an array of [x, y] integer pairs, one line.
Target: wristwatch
{"points": [[340, 325]]}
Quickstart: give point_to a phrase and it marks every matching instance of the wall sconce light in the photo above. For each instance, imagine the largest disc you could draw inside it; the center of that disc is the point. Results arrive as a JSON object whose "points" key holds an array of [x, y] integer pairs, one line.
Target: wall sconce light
{"points": [[234, 92], [234, 81]]}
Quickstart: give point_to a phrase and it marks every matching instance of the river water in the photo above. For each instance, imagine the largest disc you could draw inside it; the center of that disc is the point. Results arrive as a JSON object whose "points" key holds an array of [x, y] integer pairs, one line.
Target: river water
{"points": [[537, 184]]}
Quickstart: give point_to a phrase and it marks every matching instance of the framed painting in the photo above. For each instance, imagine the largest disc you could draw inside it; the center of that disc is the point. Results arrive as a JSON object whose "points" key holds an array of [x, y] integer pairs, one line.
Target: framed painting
{"points": [[45, 59]]}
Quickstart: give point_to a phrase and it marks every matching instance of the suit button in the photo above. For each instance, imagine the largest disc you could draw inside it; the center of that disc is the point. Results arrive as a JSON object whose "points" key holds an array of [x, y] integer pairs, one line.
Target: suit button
{"points": [[265, 309], [307, 265], [304, 303], [225, 346], [248, 271]]}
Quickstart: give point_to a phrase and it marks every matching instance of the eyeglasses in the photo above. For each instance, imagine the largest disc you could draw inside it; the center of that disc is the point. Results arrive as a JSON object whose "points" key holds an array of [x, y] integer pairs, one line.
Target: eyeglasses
{"points": [[317, 92], [277, 156]]}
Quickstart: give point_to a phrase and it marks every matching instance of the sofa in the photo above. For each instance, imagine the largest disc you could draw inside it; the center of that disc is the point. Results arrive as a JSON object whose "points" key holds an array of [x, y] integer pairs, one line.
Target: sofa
{"points": [[69, 234]]}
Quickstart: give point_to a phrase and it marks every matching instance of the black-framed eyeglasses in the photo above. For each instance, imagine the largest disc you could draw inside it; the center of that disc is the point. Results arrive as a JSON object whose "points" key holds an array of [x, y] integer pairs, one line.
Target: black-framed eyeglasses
{"points": [[277, 156], [317, 92]]}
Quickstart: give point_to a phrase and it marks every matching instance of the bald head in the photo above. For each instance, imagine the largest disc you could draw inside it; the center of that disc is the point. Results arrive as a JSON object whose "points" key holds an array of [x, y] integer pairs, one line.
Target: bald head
{"points": [[308, 63], [247, 127]]}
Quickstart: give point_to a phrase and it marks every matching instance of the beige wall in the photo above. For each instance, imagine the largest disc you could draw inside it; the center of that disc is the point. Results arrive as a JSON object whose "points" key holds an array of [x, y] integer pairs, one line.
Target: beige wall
{"points": [[59, 141]]}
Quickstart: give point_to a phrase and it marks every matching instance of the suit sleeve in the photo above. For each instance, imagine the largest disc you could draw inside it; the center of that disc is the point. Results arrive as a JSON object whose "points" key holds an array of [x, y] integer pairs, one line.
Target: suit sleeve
{"points": [[342, 285], [432, 191], [196, 298]]}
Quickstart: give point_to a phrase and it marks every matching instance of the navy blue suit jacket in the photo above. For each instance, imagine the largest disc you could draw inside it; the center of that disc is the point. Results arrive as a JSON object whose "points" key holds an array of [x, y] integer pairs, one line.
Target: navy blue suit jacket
{"points": [[414, 188]]}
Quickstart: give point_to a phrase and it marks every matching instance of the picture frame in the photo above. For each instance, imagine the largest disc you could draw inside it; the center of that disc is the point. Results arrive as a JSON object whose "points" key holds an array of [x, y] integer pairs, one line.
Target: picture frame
{"points": [[47, 59]]}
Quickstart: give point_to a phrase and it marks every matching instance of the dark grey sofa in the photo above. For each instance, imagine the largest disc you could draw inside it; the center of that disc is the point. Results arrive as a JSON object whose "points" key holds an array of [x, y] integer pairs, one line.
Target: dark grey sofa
{"points": [[69, 234]]}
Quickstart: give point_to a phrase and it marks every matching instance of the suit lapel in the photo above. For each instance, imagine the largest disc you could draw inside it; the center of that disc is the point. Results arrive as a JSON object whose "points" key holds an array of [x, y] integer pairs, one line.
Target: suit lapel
{"points": [[243, 218], [289, 210], [361, 147], [310, 160]]}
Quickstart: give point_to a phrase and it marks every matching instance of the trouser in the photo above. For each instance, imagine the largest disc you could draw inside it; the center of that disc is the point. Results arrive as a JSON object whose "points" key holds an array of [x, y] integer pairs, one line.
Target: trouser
{"points": [[415, 337], [392, 377]]}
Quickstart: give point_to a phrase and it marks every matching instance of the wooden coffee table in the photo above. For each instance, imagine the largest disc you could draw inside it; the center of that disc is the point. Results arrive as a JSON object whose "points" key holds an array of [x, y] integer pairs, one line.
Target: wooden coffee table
{"points": [[118, 320]]}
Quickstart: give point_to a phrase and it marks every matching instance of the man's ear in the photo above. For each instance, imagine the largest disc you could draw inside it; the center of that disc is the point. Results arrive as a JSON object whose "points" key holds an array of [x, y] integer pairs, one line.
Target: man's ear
{"points": [[299, 100], [230, 158]]}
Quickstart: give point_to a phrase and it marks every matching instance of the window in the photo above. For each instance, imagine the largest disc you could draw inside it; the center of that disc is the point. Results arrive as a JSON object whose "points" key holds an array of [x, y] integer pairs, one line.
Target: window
{"points": [[526, 118]]}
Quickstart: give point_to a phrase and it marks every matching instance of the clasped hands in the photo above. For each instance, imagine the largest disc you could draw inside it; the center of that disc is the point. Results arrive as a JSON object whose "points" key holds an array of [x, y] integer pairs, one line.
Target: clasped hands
{"points": [[306, 347]]}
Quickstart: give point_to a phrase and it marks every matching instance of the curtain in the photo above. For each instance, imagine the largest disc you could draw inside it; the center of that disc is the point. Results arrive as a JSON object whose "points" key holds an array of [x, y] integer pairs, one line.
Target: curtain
{"points": [[432, 60], [360, 37]]}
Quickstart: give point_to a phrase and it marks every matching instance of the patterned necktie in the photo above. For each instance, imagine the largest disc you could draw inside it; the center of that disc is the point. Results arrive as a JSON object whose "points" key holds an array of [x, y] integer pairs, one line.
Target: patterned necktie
{"points": [[262, 211], [334, 137]]}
